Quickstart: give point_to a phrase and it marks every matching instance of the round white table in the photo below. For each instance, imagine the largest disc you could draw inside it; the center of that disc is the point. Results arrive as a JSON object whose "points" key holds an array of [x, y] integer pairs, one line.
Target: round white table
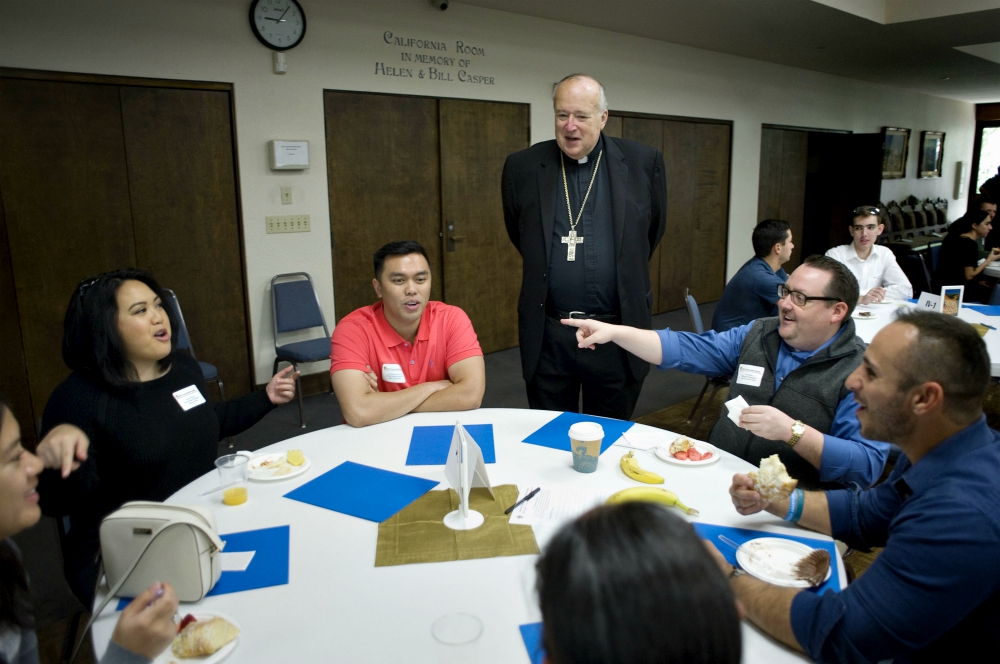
{"points": [[886, 313], [338, 607]]}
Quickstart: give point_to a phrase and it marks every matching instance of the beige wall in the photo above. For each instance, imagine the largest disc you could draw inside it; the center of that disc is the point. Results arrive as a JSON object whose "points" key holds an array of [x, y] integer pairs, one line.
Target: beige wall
{"points": [[211, 40]]}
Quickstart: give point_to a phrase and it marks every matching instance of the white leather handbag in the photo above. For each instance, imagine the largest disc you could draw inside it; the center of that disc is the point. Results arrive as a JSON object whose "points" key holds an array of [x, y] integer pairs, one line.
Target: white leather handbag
{"points": [[144, 542]]}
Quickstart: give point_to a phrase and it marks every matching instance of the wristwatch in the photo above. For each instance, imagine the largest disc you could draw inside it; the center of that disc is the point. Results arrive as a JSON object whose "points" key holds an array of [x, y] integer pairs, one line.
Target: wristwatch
{"points": [[798, 429], [737, 571]]}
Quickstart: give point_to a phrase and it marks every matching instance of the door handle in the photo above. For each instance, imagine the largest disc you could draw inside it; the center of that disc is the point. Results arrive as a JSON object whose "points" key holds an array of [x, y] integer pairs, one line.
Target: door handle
{"points": [[452, 239]]}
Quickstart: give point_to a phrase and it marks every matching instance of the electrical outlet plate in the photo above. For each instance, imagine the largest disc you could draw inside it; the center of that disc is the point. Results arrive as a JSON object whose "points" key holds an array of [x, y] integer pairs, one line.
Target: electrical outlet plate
{"points": [[286, 192], [291, 223]]}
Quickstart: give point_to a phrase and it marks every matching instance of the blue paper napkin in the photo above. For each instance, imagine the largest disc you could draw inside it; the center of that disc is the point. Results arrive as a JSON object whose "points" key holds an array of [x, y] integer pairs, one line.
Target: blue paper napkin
{"points": [[555, 434], [532, 636], [711, 532], [269, 566], [429, 445], [362, 491]]}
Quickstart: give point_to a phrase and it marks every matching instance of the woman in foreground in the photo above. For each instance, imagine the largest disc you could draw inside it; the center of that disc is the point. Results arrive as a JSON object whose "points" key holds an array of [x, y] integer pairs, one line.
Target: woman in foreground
{"points": [[633, 583]]}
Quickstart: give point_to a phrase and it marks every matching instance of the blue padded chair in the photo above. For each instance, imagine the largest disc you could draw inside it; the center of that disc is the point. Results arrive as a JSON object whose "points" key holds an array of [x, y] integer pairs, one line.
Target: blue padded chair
{"points": [[209, 371], [717, 382], [934, 249], [296, 307]]}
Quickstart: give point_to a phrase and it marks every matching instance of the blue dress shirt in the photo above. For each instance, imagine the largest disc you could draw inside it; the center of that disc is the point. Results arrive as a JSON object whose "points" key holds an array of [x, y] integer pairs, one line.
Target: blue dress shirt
{"points": [[752, 293], [933, 594], [847, 455]]}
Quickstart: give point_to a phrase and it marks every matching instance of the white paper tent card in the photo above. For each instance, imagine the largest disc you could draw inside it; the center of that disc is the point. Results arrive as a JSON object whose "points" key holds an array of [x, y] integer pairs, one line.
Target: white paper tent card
{"points": [[465, 470]]}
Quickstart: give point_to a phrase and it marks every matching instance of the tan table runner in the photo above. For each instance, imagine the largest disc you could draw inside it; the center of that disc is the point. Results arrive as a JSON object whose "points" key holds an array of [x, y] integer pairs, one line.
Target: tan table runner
{"points": [[417, 535]]}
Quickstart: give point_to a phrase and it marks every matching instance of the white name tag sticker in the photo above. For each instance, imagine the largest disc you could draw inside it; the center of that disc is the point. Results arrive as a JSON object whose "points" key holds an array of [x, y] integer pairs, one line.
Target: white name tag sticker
{"points": [[189, 397], [393, 373], [749, 375]]}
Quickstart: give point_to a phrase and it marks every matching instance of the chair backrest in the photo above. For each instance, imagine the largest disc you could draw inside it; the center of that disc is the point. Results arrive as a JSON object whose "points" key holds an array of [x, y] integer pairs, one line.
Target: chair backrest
{"points": [[181, 333], [915, 269], [693, 312], [295, 304], [935, 251]]}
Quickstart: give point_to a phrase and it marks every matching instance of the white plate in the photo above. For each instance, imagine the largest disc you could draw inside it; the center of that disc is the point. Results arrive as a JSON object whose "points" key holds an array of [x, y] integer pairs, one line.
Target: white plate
{"points": [[773, 559], [888, 300], [663, 454], [258, 474], [857, 315], [168, 657]]}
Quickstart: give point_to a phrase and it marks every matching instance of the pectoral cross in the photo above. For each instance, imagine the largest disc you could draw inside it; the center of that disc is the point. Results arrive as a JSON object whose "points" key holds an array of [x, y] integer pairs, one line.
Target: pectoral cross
{"points": [[572, 240]]}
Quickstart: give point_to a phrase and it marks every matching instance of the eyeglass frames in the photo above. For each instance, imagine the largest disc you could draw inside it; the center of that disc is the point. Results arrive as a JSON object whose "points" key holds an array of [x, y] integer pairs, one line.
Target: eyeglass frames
{"points": [[800, 299], [867, 209]]}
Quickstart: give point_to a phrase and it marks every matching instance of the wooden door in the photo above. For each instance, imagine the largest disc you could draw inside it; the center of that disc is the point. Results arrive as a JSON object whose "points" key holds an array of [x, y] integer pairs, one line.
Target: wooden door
{"points": [[185, 216], [680, 142], [482, 271], [66, 205], [648, 132], [711, 213], [781, 188], [384, 184]]}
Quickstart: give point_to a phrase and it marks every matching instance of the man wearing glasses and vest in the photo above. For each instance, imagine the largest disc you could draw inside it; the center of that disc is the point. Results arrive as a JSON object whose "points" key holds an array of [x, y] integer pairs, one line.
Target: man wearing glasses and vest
{"points": [[879, 276], [790, 370]]}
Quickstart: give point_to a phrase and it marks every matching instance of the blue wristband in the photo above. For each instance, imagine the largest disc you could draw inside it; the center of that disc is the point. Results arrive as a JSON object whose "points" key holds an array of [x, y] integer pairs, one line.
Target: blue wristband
{"points": [[800, 503], [793, 502]]}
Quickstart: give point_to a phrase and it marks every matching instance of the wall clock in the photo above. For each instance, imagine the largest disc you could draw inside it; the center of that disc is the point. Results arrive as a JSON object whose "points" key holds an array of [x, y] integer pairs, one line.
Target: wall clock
{"points": [[278, 24]]}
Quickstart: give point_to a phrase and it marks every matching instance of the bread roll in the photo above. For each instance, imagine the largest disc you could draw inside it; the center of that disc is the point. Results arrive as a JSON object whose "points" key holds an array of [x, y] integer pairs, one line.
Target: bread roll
{"points": [[204, 637], [772, 481]]}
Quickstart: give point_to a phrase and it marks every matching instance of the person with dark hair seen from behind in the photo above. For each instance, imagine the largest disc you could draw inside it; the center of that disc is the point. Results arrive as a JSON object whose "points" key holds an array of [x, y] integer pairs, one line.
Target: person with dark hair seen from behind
{"points": [[144, 629], [879, 276], [752, 292], [789, 369], [133, 420], [957, 263], [404, 353], [933, 593], [989, 206], [632, 584]]}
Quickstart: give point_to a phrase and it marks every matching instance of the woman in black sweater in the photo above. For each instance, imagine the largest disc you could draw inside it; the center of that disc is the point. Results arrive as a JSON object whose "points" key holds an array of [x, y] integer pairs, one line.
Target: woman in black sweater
{"points": [[133, 421], [959, 258]]}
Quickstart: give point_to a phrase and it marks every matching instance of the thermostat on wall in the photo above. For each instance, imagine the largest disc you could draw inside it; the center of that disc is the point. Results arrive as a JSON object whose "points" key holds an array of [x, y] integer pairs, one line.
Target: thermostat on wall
{"points": [[289, 155]]}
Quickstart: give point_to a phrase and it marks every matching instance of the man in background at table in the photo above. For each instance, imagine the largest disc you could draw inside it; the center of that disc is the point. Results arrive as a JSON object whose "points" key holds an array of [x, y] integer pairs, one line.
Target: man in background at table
{"points": [[405, 354], [585, 211], [933, 593], [879, 276], [752, 293], [789, 369]]}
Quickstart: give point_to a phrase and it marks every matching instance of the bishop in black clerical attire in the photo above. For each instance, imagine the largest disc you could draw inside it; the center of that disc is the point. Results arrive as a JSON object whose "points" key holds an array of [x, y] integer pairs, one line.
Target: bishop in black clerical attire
{"points": [[586, 212]]}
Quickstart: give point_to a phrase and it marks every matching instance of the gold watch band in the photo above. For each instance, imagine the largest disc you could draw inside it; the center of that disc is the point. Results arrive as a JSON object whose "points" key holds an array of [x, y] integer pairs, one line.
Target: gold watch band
{"points": [[798, 430]]}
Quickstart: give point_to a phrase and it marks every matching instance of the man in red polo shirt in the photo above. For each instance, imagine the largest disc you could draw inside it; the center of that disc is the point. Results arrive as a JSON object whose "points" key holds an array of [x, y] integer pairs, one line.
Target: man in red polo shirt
{"points": [[405, 354]]}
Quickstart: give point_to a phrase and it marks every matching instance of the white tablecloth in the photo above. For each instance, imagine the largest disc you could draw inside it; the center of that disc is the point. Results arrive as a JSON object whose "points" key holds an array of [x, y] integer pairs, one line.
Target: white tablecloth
{"points": [[886, 313], [338, 607]]}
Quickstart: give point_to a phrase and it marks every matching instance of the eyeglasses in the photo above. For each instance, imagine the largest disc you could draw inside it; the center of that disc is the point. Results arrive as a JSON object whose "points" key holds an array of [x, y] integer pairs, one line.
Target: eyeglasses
{"points": [[859, 227], [800, 299], [866, 209], [81, 290]]}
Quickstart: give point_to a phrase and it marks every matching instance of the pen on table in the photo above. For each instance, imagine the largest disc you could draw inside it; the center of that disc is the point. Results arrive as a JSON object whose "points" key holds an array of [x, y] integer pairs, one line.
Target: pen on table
{"points": [[523, 500], [988, 326]]}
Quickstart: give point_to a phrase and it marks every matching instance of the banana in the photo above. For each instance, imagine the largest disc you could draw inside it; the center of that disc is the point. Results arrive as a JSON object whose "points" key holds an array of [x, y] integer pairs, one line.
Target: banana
{"points": [[650, 494], [630, 466]]}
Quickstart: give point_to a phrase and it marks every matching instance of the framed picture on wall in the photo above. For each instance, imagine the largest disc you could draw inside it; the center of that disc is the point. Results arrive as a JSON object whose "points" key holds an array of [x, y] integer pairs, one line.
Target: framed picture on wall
{"points": [[931, 153], [895, 146]]}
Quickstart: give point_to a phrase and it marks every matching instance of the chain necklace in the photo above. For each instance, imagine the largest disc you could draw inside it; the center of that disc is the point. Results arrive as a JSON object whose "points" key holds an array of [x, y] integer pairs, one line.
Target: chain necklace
{"points": [[572, 239]]}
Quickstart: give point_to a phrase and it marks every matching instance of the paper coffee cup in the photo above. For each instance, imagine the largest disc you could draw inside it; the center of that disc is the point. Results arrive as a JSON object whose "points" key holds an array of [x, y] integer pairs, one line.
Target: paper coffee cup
{"points": [[585, 440]]}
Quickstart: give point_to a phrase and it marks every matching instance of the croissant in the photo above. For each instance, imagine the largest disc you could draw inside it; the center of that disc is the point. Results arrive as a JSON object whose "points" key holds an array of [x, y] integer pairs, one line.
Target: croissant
{"points": [[772, 481], [204, 637]]}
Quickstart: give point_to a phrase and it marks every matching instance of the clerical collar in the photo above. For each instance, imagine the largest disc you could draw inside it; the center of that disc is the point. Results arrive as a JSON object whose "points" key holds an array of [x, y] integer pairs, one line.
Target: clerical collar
{"points": [[597, 148]]}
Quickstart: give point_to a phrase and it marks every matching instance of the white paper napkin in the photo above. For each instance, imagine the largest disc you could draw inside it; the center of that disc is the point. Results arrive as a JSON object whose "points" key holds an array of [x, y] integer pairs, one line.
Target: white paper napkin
{"points": [[735, 407], [642, 439], [236, 561]]}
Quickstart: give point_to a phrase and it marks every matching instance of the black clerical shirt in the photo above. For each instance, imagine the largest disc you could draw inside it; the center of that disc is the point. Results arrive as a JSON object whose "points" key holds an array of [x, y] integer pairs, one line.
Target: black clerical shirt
{"points": [[589, 283]]}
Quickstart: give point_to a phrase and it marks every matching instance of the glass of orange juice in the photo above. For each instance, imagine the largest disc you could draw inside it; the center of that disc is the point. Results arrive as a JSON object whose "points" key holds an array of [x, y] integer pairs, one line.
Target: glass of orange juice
{"points": [[233, 469]]}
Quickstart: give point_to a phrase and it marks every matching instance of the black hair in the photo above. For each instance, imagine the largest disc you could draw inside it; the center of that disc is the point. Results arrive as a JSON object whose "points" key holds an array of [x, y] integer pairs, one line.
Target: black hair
{"points": [[397, 248], [768, 233], [633, 583], [981, 200], [92, 342], [843, 284], [962, 225], [15, 607], [948, 351]]}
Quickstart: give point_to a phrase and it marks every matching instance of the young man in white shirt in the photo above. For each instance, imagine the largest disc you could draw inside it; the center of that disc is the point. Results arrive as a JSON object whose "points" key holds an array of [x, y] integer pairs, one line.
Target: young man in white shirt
{"points": [[879, 276]]}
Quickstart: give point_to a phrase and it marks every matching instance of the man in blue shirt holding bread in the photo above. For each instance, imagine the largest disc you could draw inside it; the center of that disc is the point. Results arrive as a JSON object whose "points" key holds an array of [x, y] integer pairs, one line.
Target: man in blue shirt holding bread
{"points": [[933, 593]]}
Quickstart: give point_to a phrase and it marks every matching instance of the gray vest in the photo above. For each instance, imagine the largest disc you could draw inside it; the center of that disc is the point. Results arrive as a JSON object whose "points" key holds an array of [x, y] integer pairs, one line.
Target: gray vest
{"points": [[810, 393]]}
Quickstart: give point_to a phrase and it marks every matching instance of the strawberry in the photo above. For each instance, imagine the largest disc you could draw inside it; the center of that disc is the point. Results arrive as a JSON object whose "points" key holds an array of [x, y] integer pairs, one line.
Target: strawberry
{"points": [[683, 456], [694, 455], [185, 621], [706, 456]]}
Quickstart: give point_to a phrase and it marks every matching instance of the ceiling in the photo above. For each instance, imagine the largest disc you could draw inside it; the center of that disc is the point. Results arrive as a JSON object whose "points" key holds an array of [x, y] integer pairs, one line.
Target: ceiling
{"points": [[910, 44]]}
